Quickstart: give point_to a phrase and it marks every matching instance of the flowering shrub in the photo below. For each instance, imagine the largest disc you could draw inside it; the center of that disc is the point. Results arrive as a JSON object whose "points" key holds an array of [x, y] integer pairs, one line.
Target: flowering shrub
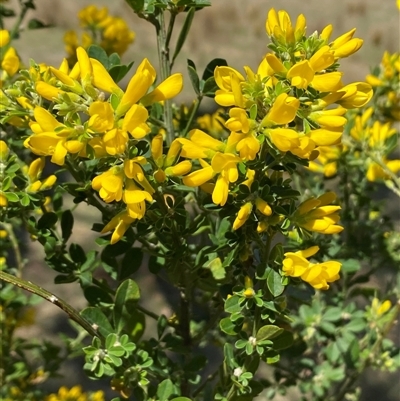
{"points": [[263, 261]]}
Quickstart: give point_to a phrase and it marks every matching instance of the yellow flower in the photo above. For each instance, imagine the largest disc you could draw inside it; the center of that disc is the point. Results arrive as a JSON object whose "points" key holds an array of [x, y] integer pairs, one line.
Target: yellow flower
{"points": [[75, 394], [119, 223], [140, 83], [229, 82], [3, 200], [380, 308], [326, 162], [345, 45], [375, 172], [109, 184], [243, 215], [283, 111], [4, 37], [10, 62], [317, 275], [279, 26], [318, 215], [4, 151]]}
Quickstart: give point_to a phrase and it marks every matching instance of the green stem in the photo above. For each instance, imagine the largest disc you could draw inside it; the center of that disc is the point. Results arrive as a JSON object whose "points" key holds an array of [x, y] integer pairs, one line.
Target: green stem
{"points": [[15, 246], [165, 69], [14, 31], [48, 296], [192, 115]]}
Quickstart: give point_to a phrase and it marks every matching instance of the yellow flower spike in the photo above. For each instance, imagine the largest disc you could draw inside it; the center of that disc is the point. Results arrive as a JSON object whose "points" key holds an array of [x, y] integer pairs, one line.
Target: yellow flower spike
{"points": [[3, 200], [179, 169], [135, 121], [283, 111], [4, 151], [35, 169], [167, 89], [263, 207], [243, 215], [137, 86], [238, 120], [134, 194], [4, 37], [101, 116], [10, 63], [48, 91]]}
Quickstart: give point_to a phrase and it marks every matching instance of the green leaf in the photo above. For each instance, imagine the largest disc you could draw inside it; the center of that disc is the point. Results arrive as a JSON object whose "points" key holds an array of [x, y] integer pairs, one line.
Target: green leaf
{"points": [[99, 54], [48, 220], [332, 314], [130, 263], [217, 270], [126, 317], [184, 32], [356, 325], [118, 72], [232, 304], [136, 5], [209, 70], [36, 24], [283, 341], [350, 266], [165, 389], [274, 283], [267, 332], [209, 87], [96, 295], [194, 78], [97, 319], [181, 399], [67, 223], [25, 200], [228, 327]]}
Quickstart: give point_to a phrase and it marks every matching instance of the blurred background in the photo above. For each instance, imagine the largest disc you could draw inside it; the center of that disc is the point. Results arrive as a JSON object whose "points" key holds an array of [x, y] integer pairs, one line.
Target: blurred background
{"points": [[230, 29]]}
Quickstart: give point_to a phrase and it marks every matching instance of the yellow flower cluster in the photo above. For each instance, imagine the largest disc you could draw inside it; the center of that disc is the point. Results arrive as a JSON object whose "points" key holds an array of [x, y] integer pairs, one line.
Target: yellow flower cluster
{"points": [[386, 82], [75, 394], [9, 60], [111, 33], [317, 275], [285, 108]]}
